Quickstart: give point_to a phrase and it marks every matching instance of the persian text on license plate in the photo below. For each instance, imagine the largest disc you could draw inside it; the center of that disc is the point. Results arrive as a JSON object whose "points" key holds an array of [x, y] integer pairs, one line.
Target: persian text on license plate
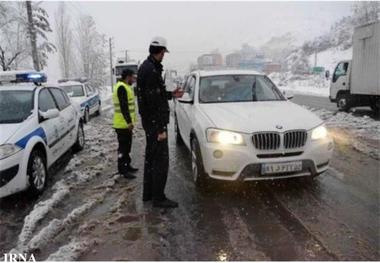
{"points": [[274, 168]]}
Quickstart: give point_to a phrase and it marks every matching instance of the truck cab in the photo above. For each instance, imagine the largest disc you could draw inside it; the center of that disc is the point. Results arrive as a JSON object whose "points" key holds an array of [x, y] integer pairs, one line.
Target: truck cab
{"points": [[340, 83]]}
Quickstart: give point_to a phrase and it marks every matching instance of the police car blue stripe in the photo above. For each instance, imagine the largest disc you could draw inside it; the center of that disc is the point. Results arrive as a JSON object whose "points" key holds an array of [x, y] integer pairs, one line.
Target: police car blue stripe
{"points": [[38, 132], [90, 102]]}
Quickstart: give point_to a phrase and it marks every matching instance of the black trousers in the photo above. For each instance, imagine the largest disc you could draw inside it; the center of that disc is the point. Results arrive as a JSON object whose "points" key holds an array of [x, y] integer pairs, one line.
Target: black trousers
{"points": [[156, 166], [124, 137]]}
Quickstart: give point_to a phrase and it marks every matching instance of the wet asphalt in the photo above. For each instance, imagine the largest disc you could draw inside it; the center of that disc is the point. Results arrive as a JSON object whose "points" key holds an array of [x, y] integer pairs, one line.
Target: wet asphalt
{"points": [[333, 217]]}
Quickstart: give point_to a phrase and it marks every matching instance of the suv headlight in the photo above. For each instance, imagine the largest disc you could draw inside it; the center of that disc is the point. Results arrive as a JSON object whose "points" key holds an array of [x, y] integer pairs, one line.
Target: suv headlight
{"points": [[7, 150], [319, 133], [224, 137]]}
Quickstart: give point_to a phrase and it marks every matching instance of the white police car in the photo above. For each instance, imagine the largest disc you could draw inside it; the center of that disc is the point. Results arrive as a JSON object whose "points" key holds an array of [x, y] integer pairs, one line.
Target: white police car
{"points": [[84, 96], [38, 124]]}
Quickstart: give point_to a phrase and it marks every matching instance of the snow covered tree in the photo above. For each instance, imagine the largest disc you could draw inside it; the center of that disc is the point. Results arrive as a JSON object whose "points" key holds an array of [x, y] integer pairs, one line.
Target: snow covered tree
{"points": [[297, 62], [64, 39], [12, 46], [38, 26], [92, 48], [365, 12]]}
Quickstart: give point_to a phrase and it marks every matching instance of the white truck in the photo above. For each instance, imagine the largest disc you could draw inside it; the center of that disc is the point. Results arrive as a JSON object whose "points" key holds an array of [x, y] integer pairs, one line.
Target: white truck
{"points": [[122, 64], [356, 82]]}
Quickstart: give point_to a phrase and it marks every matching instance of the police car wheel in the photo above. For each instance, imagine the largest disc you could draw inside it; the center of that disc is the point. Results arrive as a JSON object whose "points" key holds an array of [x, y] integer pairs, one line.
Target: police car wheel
{"points": [[79, 144], [37, 172], [97, 113], [86, 115], [199, 175]]}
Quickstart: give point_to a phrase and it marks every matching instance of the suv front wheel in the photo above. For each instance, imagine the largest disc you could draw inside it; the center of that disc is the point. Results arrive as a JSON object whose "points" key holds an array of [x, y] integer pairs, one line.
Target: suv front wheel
{"points": [[198, 172]]}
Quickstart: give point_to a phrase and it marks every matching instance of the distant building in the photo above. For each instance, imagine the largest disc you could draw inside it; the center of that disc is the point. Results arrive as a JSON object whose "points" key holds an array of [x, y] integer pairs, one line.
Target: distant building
{"points": [[272, 67], [233, 60], [210, 61]]}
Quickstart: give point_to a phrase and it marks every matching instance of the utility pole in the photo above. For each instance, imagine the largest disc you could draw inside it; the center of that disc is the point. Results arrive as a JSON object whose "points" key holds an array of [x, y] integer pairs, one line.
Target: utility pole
{"points": [[111, 73], [126, 56], [315, 59], [32, 35]]}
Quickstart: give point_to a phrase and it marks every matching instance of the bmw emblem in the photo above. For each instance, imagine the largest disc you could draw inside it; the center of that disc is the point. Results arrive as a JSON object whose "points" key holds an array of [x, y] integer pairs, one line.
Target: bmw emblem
{"points": [[279, 127]]}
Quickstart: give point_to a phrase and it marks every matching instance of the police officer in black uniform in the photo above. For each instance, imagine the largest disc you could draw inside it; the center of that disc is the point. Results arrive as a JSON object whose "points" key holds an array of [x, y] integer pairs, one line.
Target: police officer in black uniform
{"points": [[154, 110]]}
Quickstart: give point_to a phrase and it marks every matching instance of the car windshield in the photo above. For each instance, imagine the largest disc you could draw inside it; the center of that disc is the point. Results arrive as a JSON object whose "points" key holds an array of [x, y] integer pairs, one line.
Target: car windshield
{"points": [[74, 91], [15, 105], [237, 88]]}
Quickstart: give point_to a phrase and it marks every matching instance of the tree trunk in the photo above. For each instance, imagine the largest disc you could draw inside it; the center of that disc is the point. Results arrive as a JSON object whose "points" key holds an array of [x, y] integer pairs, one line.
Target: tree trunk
{"points": [[32, 36]]}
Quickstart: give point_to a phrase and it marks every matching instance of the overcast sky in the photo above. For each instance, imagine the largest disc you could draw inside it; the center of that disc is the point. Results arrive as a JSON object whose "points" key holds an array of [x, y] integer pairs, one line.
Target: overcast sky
{"points": [[193, 28]]}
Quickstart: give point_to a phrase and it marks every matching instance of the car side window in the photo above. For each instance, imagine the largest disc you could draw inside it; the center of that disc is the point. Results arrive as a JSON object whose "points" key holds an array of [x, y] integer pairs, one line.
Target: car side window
{"points": [[67, 99], [89, 90], [59, 98], [46, 101], [190, 86]]}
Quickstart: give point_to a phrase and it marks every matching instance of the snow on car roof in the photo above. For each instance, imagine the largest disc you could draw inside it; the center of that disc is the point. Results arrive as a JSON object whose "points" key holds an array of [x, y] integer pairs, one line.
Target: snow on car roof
{"points": [[69, 83], [204, 73], [18, 86]]}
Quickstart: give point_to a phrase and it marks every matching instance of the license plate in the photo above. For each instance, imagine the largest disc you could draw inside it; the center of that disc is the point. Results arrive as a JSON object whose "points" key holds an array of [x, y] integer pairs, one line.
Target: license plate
{"points": [[274, 168]]}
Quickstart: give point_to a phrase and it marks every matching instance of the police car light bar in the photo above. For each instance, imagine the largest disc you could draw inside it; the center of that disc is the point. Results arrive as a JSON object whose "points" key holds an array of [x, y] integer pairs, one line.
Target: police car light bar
{"points": [[22, 77]]}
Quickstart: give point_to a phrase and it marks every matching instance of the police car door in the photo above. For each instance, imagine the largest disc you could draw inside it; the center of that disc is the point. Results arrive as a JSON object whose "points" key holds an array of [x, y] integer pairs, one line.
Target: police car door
{"points": [[64, 126], [50, 126], [91, 99]]}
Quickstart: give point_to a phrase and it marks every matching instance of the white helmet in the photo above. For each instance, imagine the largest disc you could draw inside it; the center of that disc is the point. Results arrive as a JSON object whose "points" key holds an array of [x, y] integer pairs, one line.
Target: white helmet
{"points": [[159, 42]]}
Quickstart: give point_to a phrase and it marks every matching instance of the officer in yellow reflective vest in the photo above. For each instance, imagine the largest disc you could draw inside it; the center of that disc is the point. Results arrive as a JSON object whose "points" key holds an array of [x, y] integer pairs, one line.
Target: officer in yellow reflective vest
{"points": [[124, 120]]}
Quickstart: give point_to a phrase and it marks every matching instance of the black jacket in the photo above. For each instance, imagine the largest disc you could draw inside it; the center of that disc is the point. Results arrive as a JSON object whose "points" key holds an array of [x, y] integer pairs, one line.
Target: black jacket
{"points": [[152, 96]]}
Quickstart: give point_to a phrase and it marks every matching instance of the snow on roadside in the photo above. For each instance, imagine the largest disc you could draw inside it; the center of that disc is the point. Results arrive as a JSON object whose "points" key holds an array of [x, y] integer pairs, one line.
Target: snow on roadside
{"points": [[359, 127], [39, 212], [56, 225], [315, 85], [72, 250]]}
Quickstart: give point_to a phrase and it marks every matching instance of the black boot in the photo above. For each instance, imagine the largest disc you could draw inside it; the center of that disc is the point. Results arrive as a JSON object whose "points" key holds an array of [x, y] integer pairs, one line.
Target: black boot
{"points": [[128, 175], [131, 169], [147, 198], [166, 203]]}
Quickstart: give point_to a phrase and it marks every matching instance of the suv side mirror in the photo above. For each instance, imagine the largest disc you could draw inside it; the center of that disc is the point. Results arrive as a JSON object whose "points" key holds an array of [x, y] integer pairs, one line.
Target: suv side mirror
{"points": [[49, 114], [288, 94], [186, 99]]}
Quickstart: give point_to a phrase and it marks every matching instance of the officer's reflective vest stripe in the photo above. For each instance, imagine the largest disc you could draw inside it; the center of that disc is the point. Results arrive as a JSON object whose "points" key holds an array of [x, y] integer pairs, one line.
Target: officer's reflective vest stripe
{"points": [[118, 119]]}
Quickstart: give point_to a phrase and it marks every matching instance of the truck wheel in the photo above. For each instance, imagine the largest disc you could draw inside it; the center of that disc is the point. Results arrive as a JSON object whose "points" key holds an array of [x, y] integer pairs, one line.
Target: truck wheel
{"points": [[198, 172], [37, 172], [343, 102]]}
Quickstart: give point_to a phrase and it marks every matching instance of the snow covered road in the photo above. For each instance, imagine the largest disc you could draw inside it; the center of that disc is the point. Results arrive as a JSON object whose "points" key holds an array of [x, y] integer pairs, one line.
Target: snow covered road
{"points": [[89, 213]]}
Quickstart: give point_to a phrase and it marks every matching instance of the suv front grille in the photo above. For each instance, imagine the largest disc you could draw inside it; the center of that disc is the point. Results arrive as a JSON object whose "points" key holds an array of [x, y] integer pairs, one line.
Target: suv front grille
{"points": [[266, 141], [294, 139], [273, 140]]}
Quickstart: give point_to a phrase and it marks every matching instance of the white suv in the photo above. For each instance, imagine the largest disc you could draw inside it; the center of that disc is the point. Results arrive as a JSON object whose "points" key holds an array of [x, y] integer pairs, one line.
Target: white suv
{"points": [[38, 125], [239, 126]]}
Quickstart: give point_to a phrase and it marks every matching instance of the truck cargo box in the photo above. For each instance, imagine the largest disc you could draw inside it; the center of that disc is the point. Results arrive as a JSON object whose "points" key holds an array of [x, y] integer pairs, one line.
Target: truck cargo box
{"points": [[365, 75]]}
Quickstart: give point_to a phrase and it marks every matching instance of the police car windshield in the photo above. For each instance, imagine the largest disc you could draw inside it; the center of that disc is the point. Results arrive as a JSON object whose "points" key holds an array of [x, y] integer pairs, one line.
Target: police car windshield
{"points": [[237, 88], [15, 105], [74, 91]]}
